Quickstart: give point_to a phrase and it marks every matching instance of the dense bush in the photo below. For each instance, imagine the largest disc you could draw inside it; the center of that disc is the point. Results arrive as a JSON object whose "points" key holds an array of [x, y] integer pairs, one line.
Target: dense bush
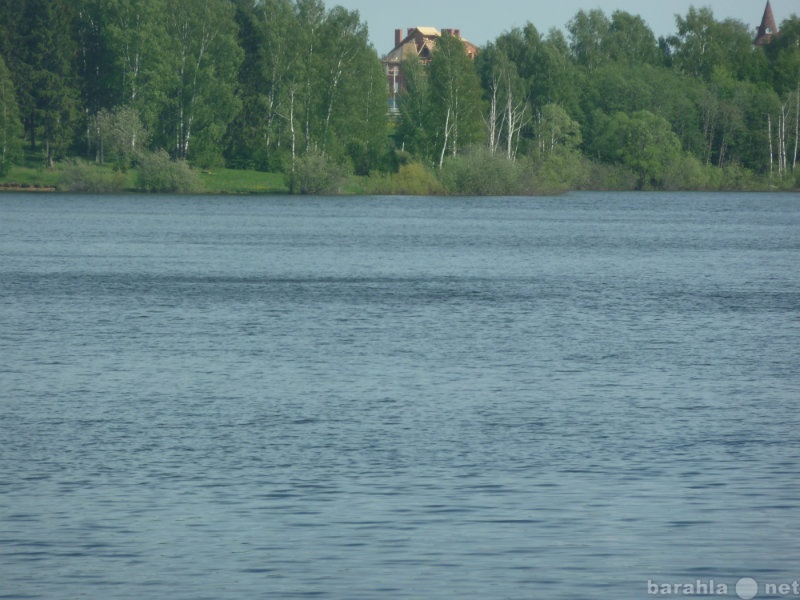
{"points": [[482, 173], [80, 176], [556, 172], [159, 173], [412, 179], [317, 174]]}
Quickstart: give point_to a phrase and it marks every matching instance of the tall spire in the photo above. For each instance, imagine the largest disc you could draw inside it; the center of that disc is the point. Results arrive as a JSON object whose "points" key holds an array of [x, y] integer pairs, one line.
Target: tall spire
{"points": [[767, 29]]}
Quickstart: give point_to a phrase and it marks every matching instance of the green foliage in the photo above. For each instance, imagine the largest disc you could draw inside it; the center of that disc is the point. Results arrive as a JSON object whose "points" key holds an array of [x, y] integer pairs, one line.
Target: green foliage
{"points": [[506, 93], [556, 172], [317, 174], [784, 57], [412, 179], [38, 39], [641, 141], [119, 136], [10, 125], [202, 60], [482, 173], [703, 45], [293, 87], [80, 176], [454, 118], [412, 133], [311, 84], [157, 172], [236, 181], [630, 41], [587, 31], [611, 176], [554, 130]]}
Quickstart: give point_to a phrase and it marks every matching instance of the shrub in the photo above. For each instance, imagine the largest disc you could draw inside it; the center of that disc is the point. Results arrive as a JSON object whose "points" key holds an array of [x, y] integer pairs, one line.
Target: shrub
{"points": [[556, 172], [481, 173], [159, 173], [607, 176], [80, 176], [317, 174], [688, 173], [412, 179]]}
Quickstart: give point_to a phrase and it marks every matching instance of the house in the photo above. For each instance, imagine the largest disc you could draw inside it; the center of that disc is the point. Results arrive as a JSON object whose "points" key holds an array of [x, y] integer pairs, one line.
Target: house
{"points": [[768, 29], [419, 42]]}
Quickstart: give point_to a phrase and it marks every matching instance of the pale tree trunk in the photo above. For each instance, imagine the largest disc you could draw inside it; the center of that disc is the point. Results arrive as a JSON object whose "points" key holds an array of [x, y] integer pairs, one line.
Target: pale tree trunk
{"points": [[454, 127], [796, 126], [291, 124], [336, 75], [771, 152], [492, 120], [709, 124], [511, 119], [515, 117], [782, 142], [187, 112], [446, 138], [307, 127]]}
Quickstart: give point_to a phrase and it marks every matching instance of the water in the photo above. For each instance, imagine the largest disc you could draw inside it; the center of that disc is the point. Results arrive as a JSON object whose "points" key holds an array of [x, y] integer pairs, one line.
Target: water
{"points": [[433, 398]]}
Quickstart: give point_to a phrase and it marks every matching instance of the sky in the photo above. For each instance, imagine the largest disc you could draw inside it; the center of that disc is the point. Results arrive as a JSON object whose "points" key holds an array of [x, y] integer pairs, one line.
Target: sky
{"points": [[482, 22]]}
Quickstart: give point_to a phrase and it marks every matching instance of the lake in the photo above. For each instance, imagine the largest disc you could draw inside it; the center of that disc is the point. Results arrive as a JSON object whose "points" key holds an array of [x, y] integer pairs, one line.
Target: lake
{"points": [[587, 396]]}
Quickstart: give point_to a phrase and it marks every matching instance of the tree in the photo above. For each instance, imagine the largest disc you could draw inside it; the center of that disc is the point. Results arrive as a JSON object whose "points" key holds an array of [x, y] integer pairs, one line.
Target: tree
{"points": [[703, 45], [588, 38], [137, 40], [95, 61], [784, 60], [642, 142], [199, 101], [509, 108], [455, 98], [783, 54], [351, 91], [555, 130], [10, 125], [630, 41], [361, 124], [412, 133], [275, 79], [311, 84], [120, 134], [39, 39]]}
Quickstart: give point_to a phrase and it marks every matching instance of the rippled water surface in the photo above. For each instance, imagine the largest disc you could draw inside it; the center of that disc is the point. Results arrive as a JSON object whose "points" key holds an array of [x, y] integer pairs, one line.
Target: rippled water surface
{"points": [[352, 398]]}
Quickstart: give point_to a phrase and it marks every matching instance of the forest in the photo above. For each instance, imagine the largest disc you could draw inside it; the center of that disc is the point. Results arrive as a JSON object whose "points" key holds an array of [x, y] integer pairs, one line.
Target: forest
{"points": [[147, 94]]}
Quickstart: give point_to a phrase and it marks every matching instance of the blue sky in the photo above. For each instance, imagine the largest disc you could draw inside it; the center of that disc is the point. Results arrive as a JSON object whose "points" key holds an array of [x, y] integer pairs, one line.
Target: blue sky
{"points": [[481, 22]]}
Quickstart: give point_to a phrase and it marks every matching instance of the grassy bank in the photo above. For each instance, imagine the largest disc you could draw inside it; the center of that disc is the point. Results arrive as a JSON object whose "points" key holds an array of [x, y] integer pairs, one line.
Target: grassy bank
{"points": [[231, 181], [90, 178], [477, 174]]}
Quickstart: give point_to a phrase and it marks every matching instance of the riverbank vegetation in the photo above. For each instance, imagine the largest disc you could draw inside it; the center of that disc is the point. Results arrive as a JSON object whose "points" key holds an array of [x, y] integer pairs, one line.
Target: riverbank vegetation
{"points": [[264, 96]]}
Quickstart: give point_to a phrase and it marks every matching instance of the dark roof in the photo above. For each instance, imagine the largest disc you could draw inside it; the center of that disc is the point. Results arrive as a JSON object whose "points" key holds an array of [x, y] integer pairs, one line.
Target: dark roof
{"points": [[767, 29]]}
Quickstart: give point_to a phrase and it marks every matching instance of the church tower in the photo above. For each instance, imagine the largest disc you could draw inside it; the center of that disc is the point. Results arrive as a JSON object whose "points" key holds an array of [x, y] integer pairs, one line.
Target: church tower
{"points": [[768, 29]]}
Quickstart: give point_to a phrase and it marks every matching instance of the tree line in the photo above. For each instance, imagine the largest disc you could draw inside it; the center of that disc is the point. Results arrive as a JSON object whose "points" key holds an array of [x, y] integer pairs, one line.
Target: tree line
{"points": [[293, 87]]}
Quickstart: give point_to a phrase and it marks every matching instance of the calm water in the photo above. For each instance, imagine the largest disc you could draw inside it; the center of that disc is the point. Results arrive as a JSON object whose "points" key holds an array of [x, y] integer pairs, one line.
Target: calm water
{"points": [[350, 398]]}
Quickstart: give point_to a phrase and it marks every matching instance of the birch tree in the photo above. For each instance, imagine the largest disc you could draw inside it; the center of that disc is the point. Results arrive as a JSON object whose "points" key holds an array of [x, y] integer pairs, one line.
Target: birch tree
{"points": [[137, 37], [279, 72], [203, 59], [455, 98], [509, 108]]}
